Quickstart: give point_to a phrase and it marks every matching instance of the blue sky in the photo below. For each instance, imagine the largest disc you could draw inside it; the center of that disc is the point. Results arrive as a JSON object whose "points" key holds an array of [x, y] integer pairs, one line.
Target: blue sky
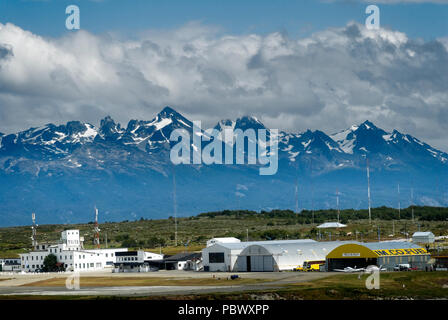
{"points": [[297, 18]]}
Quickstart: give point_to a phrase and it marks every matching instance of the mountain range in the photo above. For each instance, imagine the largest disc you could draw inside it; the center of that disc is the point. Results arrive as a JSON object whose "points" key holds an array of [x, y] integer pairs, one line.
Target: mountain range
{"points": [[62, 171]]}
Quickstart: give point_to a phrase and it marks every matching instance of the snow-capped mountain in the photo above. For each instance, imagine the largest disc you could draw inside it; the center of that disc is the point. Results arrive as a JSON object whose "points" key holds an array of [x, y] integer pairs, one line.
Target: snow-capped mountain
{"points": [[62, 171], [386, 149], [49, 140]]}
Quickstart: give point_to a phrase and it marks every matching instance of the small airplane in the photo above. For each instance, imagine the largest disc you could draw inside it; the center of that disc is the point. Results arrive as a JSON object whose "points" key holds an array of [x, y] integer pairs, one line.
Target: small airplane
{"points": [[349, 269], [373, 268]]}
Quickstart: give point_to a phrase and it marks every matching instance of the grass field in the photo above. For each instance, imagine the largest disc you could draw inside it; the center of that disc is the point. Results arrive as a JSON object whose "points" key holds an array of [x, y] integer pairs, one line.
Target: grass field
{"points": [[158, 235], [140, 281], [395, 285]]}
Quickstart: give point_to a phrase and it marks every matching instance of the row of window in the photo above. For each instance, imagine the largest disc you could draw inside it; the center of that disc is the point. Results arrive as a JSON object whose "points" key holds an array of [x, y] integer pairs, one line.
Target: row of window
{"points": [[127, 258], [81, 265], [42, 258]]}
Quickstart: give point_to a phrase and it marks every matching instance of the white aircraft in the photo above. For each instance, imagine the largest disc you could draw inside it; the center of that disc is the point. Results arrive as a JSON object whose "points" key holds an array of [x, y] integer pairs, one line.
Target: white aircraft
{"points": [[373, 268], [349, 269]]}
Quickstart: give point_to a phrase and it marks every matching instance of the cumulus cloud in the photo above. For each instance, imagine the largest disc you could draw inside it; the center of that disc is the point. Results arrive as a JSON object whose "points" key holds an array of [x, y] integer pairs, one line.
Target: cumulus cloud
{"points": [[329, 80]]}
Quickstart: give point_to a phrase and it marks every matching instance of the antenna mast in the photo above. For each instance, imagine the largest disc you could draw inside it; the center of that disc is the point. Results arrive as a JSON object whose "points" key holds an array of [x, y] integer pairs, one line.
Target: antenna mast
{"points": [[337, 202], [399, 203], [34, 231], [297, 195], [175, 207], [312, 191], [96, 230], [368, 190]]}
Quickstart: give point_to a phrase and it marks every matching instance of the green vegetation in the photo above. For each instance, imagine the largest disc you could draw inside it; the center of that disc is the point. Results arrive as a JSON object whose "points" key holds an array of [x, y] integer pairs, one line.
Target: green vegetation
{"points": [[319, 216], [158, 235], [51, 264]]}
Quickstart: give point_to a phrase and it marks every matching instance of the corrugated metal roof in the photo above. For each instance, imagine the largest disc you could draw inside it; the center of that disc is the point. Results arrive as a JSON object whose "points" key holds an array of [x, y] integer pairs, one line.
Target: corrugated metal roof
{"points": [[331, 225], [423, 234], [391, 245], [242, 245], [305, 248]]}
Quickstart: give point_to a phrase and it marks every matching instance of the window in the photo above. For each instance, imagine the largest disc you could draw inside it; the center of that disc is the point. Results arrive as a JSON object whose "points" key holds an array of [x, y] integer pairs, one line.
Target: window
{"points": [[216, 257]]}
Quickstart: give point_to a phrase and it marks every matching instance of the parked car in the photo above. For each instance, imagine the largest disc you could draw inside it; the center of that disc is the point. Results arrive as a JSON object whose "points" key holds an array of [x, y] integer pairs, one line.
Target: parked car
{"points": [[402, 267]]}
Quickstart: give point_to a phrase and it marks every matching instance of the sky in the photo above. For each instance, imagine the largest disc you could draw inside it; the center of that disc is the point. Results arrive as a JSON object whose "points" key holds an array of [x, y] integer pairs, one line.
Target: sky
{"points": [[293, 64]]}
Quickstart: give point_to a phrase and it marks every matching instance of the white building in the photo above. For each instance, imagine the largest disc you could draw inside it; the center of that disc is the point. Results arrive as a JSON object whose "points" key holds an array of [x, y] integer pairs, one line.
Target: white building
{"points": [[10, 264], [70, 253], [222, 240], [135, 261], [423, 237], [224, 256]]}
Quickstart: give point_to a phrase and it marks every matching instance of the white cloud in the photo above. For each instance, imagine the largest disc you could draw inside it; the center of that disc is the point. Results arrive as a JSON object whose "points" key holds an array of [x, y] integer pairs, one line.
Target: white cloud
{"points": [[330, 80]]}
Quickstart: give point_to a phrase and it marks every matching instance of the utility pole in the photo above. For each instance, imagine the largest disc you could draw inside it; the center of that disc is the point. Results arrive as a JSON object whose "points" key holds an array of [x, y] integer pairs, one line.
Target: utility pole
{"points": [[337, 202], [393, 227], [368, 191], [106, 240], [247, 235], [175, 207], [399, 203], [379, 233], [96, 230], [312, 192], [297, 195], [33, 231], [412, 204]]}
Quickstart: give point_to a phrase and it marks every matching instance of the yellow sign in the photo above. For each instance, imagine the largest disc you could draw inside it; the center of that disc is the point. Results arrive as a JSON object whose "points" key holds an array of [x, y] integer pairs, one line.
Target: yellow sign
{"points": [[400, 252]]}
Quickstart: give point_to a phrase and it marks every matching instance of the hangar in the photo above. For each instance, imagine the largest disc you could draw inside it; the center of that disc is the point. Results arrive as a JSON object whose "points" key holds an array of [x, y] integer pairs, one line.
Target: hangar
{"points": [[264, 257], [223, 256], [387, 254], [282, 255]]}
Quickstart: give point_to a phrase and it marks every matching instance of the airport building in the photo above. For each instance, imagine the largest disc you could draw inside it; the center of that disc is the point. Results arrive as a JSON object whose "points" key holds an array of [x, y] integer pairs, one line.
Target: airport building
{"points": [[423, 237], [387, 254], [9, 264], [224, 256], [135, 261], [285, 255], [70, 254]]}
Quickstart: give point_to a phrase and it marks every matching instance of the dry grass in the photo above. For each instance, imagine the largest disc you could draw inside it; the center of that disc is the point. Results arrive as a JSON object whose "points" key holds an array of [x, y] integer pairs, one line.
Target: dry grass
{"points": [[140, 281]]}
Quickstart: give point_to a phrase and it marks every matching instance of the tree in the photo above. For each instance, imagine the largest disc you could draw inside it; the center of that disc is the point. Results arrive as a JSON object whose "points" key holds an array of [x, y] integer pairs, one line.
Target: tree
{"points": [[51, 264]]}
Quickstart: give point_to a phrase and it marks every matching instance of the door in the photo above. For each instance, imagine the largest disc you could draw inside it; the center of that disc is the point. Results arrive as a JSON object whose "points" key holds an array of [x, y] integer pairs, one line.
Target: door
{"points": [[248, 264], [268, 263]]}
